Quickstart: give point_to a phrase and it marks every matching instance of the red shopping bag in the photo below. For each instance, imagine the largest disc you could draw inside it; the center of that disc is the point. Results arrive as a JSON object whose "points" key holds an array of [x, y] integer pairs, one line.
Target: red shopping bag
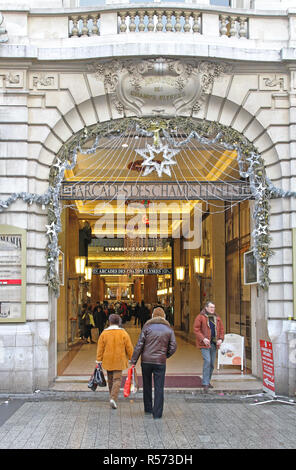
{"points": [[128, 382]]}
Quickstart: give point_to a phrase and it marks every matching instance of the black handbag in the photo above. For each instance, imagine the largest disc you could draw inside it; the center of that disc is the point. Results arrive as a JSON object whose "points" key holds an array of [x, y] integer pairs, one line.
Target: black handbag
{"points": [[99, 378]]}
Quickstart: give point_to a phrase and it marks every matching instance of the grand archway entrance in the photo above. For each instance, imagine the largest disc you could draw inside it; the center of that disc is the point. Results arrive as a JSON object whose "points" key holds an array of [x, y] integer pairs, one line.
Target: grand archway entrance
{"points": [[160, 212]]}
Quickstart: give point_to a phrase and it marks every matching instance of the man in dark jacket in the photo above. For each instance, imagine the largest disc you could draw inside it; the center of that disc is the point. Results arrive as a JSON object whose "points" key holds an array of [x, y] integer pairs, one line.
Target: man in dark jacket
{"points": [[156, 344], [99, 317]]}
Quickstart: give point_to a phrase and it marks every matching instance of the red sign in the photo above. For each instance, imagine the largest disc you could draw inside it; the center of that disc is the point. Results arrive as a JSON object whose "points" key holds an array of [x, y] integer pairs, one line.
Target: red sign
{"points": [[10, 282], [267, 365]]}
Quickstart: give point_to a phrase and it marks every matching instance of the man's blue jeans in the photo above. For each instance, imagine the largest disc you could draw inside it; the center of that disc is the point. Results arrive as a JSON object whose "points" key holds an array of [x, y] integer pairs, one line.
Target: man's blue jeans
{"points": [[209, 357]]}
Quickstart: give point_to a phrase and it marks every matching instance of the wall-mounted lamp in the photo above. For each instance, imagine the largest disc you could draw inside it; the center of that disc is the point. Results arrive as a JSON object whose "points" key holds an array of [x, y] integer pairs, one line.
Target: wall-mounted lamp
{"points": [[88, 273], [80, 262], [199, 268], [180, 273], [199, 264]]}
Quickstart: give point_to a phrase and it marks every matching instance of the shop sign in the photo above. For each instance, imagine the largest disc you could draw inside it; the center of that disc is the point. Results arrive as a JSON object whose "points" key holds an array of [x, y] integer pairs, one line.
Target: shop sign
{"points": [[267, 366], [117, 249], [123, 271], [231, 351], [155, 190], [12, 274]]}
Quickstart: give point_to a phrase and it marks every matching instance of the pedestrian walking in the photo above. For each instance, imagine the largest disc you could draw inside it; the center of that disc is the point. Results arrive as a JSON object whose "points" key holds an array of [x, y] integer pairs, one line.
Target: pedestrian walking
{"points": [[209, 332], [114, 350], [143, 314], [99, 318], [88, 322], [156, 343], [137, 314]]}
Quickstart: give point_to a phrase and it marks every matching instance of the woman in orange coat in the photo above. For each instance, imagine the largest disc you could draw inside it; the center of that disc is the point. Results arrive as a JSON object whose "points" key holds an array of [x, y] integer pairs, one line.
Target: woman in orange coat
{"points": [[114, 350]]}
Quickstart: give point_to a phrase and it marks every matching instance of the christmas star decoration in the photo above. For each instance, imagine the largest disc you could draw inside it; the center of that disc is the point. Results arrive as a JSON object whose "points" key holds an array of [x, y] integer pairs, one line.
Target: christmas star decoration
{"points": [[58, 164], [50, 229], [261, 188], [261, 230], [253, 160], [151, 165]]}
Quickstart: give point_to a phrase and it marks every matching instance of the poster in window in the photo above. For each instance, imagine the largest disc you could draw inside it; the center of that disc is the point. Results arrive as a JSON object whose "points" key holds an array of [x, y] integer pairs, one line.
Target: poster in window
{"points": [[12, 274], [251, 268]]}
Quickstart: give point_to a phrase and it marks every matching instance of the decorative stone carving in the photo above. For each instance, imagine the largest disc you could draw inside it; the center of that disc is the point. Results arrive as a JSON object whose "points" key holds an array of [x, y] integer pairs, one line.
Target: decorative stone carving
{"points": [[43, 81], [3, 32], [158, 86], [273, 82], [13, 78]]}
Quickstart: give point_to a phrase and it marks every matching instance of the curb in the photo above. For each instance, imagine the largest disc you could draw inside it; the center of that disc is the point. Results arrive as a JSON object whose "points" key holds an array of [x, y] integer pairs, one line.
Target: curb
{"points": [[87, 395]]}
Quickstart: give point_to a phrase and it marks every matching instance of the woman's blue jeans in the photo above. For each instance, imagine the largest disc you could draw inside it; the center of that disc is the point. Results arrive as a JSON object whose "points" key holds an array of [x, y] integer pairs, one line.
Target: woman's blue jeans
{"points": [[209, 357]]}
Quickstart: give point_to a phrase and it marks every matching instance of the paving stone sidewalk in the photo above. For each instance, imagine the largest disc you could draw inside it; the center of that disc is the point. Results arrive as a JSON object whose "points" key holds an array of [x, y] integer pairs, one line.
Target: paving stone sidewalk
{"points": [[190, 421]]}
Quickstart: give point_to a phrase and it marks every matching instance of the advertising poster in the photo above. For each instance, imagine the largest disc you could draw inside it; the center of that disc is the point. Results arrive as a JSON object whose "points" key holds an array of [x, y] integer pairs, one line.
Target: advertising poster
{"points": [[231, 351], [12, 279], [267, 366]]}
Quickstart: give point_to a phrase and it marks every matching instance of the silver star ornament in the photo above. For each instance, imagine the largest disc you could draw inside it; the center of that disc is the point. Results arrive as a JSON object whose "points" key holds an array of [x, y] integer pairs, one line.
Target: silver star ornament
{"points": [[151, 165]]}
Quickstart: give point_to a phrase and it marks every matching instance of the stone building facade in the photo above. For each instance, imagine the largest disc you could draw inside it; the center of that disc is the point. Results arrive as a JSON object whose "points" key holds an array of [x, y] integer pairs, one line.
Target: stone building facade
{"points": [[59, 66]]}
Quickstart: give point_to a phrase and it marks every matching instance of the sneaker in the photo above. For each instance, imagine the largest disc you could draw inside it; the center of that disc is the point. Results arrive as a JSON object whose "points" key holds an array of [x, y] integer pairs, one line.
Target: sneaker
{"points": [[113, 404]]}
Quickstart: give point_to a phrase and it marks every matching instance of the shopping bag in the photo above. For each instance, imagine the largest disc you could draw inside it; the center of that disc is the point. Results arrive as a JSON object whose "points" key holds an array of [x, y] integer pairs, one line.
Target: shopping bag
{"points": [[92, 383], [99, 377], [134, 382], [129, 382]]}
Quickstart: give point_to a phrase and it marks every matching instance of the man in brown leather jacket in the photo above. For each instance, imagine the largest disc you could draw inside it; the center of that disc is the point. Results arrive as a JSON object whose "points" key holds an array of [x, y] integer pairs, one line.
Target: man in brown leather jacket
{"points": [[156, 344], [209, 332]]}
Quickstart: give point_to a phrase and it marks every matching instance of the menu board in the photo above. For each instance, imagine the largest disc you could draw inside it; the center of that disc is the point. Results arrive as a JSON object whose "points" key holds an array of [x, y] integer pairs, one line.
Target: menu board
{"points": [[12, 274]]}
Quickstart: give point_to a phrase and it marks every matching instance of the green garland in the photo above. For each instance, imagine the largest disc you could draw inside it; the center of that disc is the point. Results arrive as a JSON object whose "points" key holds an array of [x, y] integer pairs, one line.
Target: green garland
{"points": [[210, 130]]}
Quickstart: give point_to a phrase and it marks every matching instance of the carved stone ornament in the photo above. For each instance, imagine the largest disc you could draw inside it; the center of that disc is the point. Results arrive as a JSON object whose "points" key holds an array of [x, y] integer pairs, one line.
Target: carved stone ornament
{"points": [[160, 86], [43, 81], [3, 32]]}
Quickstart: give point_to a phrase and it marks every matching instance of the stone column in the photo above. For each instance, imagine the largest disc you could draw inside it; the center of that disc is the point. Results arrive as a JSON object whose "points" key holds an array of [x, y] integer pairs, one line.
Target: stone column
{"points": [[137, 290], [177, 284], [95, 288], [218, 259], [101, 290], [150, 289], [62, 303]]}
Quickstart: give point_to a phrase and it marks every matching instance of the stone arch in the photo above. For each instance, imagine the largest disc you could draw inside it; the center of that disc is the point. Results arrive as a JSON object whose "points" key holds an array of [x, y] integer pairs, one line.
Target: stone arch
{"points": [[58, 132], [243, 117]]}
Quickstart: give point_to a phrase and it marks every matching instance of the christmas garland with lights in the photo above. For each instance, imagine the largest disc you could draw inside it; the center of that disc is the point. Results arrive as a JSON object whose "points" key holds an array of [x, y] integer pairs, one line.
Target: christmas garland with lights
{"points": [[250, 163]]}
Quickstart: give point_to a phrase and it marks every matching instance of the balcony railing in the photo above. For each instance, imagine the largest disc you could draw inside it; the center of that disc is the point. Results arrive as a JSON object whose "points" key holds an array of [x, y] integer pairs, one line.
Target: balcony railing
{"points": [[56, 25], [139, 21], [156, 21]]}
